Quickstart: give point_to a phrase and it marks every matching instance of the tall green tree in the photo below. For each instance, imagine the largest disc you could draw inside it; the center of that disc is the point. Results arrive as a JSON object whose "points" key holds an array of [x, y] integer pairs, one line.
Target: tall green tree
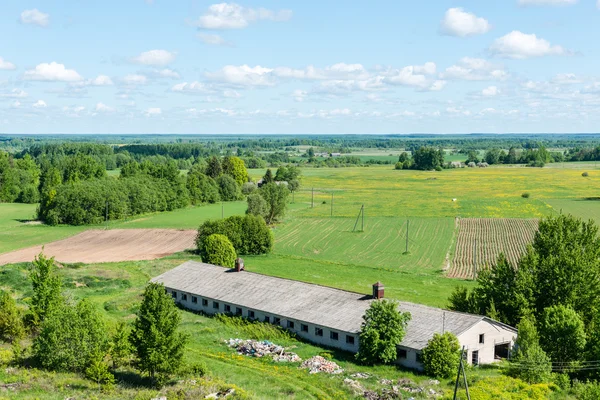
{"points": [[441, 356], [383, 328], [276, 198], [528, 361], [214, 169], [71, 336], [236, 168], [46, 287], [562, 333], [158, 345], [268, 178]]}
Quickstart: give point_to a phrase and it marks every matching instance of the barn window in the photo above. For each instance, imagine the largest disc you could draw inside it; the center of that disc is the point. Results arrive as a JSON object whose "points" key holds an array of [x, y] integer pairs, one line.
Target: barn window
{"points": [[333, 335], [349, 339], [290, 324], [318, 331], [304, 328], [482, 338], [277, 321], [238, 311], [174, 294], [227, 308], [267, 319], [194, 299], [250, 314], [205, 302], [419, 358], [184, 297], [215, 305], [402, 353]]}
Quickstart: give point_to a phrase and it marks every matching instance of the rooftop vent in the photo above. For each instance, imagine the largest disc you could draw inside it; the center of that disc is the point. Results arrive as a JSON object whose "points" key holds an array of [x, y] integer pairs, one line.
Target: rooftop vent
{"points": [[378, 290]]}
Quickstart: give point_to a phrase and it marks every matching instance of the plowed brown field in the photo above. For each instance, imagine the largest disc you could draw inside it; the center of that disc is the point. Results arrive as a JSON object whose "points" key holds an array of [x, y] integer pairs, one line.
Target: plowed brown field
{"points": [[113, 245], [481, 240]]}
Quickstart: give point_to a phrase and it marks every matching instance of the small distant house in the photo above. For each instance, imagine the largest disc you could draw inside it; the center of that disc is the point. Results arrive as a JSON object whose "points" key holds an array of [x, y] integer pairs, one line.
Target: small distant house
{"points": [[336, 154], [457, 164], [328, 316]]}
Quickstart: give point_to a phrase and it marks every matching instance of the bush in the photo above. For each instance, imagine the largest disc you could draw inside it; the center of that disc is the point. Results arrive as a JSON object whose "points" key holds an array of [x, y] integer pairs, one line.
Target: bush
{"points": [[218, 250], [228, 188], [11, 324], [248, 188], [257, 205], [196, 370], [525, 195], [585, 174], [399, 165], [248, 234], [441, 356]]}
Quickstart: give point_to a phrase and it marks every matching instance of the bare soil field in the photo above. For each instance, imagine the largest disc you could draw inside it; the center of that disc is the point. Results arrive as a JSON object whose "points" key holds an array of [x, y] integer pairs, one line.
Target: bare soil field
{"points": [[112, 245], [481, 240]]}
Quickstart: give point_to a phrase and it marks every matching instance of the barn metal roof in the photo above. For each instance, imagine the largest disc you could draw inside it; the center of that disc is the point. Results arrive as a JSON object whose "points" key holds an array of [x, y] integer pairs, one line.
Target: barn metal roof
{"points": [[314, 304]]}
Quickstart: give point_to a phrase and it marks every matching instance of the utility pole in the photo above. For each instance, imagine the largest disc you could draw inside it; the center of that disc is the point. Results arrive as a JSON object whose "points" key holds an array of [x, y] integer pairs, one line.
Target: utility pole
{"points": [[362, 224], [407, 223], [461, 370], [332, 204]]}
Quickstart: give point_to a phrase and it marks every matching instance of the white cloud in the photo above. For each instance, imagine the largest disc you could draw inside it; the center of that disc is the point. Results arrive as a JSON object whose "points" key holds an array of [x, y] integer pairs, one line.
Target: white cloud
{"points": [[135, 79], [567, 79], [338, 86], [547, 2], [438, 85], [40, 104], [299, 95], [101, 107], [35, 17], [15, 94], [191, 87], [518, 45], [234, 16], [232, 94], [153, 111], [101, 80], [167, 73], [213, 39], [154, 57], [6, 65], [244, 75], [458, 22], [52, 72], [415, 76], [490, 91], [16, 104], [474, 69]]}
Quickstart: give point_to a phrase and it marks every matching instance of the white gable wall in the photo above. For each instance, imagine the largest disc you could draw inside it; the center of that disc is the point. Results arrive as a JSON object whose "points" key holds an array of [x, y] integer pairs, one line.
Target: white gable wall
{"points": [[492, 334]]}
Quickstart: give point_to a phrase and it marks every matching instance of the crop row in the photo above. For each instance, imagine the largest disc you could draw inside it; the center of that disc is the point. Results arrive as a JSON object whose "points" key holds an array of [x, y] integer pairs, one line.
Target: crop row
{"points": [[481, 240]]}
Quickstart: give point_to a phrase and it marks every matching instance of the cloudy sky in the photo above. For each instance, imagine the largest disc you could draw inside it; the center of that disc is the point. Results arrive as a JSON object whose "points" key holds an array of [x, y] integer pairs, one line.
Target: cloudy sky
{"points": [[265, 66]]}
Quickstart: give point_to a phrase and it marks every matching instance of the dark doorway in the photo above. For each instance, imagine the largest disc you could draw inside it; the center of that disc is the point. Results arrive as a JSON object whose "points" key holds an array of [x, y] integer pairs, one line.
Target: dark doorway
{"points": [[501, 351], [475, 357]]}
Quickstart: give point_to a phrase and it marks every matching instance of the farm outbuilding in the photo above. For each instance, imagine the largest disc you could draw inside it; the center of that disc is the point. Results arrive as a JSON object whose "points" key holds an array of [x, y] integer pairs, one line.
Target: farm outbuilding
{"points": [[327, 316]]}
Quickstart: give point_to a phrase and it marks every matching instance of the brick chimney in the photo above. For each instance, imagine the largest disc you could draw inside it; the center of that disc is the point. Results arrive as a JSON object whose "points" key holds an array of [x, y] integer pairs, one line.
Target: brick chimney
{"points": [[239, 264], [378, 290]]}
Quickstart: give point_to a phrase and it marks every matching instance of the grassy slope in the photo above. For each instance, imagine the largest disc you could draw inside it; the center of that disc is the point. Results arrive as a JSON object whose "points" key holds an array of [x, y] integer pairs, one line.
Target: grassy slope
{"points": [[115, 288]]}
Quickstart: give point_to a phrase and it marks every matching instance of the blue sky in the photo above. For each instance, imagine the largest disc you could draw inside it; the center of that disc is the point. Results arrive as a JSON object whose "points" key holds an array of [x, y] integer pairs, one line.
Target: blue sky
{"points": [[141, 66]]}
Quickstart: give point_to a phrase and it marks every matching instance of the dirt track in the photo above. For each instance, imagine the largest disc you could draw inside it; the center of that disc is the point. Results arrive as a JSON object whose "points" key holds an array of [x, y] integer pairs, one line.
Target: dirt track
{"points": [[113, 245]]}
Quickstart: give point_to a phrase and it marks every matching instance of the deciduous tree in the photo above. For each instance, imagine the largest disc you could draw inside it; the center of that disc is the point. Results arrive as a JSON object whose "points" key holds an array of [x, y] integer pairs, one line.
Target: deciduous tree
{"points": [[441, 355]]}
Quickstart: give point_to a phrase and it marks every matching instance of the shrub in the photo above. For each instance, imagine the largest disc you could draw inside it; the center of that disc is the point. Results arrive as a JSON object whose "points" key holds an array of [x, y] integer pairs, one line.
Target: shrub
{"points": [[228, 188], [441, 356], [525, 195], [248, 188], [218, 250], [248, 234], [196, 370], [399, 165], [585, 174], [11, 324], [257, 205]]}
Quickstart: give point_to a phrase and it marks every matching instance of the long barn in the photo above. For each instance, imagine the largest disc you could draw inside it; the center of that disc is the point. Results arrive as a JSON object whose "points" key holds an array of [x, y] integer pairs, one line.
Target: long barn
{"points": [[328, 316]]}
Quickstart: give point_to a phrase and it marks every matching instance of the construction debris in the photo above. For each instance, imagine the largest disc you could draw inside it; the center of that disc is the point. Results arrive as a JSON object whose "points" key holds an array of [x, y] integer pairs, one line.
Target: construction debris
{"points": [[255, 348], [318, 364], [361, 375]]}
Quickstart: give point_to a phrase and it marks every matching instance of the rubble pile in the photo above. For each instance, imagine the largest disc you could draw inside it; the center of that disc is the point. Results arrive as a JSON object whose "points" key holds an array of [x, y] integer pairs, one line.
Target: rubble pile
{"points": [[255, 348], [318, 364]]}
